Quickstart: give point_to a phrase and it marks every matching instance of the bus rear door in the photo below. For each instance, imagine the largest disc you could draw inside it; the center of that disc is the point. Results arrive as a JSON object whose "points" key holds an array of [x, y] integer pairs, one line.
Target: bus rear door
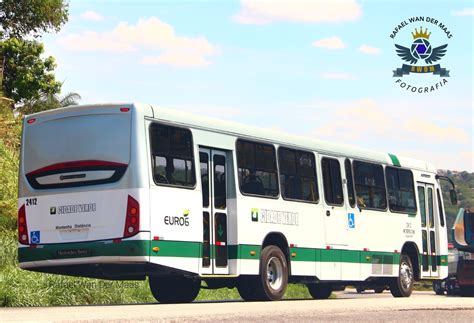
{"points": [[214, 172]]}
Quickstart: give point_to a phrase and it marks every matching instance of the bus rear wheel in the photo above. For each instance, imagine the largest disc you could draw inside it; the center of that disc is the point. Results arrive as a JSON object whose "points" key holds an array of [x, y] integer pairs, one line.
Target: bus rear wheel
{"points": [[271, 284], [437, 288], [175, 289], [319, 291], [402, 286]]}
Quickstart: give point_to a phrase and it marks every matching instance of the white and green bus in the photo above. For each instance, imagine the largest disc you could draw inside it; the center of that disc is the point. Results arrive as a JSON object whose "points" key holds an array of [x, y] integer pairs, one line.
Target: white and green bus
{"points": [[130, 191]]}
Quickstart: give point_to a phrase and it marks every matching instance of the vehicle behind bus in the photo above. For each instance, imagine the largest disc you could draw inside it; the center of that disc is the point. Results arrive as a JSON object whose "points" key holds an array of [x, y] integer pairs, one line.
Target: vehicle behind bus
{"points": [[461, 258]]}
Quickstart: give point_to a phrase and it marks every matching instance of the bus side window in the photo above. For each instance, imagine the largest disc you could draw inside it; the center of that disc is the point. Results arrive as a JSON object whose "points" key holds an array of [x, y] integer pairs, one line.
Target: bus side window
{"points": [[172, 155], [332, 181], [297, 175], [257, 168], [370, 185], [401, 190]]}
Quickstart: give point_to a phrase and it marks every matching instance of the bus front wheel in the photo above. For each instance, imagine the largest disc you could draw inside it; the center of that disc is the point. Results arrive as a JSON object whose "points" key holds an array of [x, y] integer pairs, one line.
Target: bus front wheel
{"points": [[175, 289], [402, 286], [271, 284]]}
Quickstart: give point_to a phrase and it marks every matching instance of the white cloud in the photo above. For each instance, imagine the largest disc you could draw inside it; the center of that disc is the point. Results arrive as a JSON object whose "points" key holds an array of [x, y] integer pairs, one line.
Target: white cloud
{"points": [[402, 127], [369, 120], [463, 12], [329, 43], [338, 76], [459, 160], [434, 132], [152, 35], [92, 16], [305, 11], [176, 59], [366, 49]]}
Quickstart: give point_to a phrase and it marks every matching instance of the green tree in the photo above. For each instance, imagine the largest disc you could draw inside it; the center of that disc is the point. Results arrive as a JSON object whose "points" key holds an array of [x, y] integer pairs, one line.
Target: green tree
{"points": [[27, 76], [50, 101], [20, 18]]}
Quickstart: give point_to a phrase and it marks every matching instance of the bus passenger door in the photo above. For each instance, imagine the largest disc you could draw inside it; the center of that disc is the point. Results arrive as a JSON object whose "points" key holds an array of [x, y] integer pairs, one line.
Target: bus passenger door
{"points": [[335, 217], [213, 171], [429, 234]]}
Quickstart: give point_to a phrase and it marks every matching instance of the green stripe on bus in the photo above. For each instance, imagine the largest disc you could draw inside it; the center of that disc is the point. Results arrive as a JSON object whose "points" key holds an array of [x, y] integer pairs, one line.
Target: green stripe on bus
{"points": [[395, 160], [187, 249], [190, 249], [343, 255]]}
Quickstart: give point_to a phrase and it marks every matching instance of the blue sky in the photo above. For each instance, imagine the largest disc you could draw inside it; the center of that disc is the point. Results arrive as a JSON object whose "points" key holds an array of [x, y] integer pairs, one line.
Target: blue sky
{"points": [[315, 68]]}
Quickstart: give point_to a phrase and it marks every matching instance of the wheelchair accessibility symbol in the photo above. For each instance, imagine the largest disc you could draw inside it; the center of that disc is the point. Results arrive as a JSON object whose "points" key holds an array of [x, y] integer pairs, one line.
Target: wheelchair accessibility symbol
{"points": [[35, 237], [351, 220]]}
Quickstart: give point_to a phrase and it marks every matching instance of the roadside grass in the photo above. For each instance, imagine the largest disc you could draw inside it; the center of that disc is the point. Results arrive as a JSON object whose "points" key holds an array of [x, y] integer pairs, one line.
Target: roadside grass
{"points": [[423, 286], [25, 288]]}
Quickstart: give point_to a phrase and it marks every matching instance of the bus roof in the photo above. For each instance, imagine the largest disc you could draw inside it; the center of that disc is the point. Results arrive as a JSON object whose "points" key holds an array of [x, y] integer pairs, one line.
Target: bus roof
{"points": [[263, 134]]}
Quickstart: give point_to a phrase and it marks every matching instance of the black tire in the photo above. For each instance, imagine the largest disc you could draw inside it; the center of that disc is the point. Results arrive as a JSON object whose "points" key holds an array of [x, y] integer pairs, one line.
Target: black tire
{"points": [[246, 288], [175, 289], [359, 290], [437, 288], [379, 290], [402, 286], [271, 283], [319, 291], [449, 288]]}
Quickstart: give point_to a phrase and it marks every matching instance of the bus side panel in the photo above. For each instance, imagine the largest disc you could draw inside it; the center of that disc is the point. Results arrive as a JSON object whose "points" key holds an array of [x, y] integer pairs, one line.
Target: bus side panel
{"points": [[176, 227], [300, 223]]}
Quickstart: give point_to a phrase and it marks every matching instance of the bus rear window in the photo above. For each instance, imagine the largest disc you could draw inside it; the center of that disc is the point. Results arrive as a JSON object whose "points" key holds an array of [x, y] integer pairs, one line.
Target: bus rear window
{"points": [[172, 156], [79, 150]]}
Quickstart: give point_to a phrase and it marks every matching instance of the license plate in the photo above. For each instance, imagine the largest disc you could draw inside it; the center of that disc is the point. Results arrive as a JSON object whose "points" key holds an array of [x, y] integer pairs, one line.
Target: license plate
{"points": [[73, 253]]}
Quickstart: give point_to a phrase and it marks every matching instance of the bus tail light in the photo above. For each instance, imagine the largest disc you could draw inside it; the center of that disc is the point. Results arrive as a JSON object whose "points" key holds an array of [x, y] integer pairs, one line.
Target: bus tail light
{"points": [[22, 227], [132, 218]]}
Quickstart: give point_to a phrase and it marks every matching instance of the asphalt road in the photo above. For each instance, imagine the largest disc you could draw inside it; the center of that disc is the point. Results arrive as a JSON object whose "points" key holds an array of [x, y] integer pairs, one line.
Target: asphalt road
{"points": [[349, 306]]}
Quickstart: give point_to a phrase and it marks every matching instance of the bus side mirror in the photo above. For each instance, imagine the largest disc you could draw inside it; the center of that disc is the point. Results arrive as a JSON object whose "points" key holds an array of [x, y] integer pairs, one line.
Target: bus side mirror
{"points": [[454, 197]]}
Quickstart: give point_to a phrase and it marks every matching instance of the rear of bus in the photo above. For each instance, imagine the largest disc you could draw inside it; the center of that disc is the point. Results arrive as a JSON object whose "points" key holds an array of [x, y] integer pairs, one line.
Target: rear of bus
{"points": [[83, 191]]}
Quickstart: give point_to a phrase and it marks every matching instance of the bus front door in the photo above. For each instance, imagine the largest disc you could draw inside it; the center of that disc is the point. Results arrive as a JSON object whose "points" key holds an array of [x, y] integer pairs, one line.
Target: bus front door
{"points": [[214, 173], [429, 259]]}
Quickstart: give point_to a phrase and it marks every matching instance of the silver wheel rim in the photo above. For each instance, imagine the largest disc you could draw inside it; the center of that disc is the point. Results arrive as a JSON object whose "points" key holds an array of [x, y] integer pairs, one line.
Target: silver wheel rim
{"points": [[406, 275], [275, 273]]}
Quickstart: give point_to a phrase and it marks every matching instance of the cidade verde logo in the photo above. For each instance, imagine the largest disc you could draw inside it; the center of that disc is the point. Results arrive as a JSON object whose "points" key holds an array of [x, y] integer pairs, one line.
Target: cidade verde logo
{"points": [[422, 56]]}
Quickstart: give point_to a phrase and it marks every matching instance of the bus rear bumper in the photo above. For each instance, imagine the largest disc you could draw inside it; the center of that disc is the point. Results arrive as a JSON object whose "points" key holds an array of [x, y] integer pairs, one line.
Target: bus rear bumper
{"points": [[62, 257], [105, 259]]}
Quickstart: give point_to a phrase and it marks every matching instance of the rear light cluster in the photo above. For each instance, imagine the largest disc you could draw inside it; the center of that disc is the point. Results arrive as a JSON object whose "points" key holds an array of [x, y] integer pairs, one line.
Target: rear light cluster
{"points": [[132, 218], [22, 227]]}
